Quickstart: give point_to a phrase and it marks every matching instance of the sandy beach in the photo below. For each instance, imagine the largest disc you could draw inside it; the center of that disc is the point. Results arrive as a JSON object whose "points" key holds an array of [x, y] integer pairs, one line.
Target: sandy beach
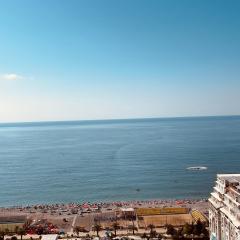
{"points": [[65, 217]]}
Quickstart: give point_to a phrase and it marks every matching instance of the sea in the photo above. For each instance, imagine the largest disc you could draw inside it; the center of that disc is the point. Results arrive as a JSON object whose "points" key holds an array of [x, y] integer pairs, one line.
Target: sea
{"points": [[115, 160]]}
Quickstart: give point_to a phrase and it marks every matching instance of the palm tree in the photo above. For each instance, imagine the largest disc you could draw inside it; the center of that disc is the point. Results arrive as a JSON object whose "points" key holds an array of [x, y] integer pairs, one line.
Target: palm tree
{"points": [[6, 231], [16, 229], [97, 228], [133, 228], [170, 229], [187, 229], [198, 227], [115, 226], [151, 227], [144, 235], [21, 232]]}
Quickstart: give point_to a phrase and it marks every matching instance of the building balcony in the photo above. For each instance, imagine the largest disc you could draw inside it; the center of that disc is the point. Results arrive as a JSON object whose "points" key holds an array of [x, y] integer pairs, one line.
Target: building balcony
{"points": [[216, 204], [234, 219], [216, 196], [218, 190]]}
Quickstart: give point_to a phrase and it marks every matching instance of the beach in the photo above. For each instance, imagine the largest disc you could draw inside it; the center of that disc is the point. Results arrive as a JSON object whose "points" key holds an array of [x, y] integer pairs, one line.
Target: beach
{"points": [[65, 217]]}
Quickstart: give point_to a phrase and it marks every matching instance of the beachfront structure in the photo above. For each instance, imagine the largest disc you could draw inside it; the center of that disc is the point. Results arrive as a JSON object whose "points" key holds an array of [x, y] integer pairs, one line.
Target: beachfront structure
{"points": [[49, 237], [125, 213], [10, 221], [224, 210]]}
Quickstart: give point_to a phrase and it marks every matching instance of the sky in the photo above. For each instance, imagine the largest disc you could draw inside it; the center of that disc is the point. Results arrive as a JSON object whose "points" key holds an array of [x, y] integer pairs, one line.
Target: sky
{"points": [[85, 59]]}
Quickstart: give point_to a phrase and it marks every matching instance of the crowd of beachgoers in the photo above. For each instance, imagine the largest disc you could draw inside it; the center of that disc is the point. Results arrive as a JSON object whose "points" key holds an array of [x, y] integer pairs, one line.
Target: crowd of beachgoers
{"points": [[62, 217], [87, 207]]}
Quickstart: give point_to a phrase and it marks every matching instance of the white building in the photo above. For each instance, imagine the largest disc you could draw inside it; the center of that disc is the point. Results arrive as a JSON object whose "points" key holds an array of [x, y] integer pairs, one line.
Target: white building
{"points": [[49, 237], [224, 210]]}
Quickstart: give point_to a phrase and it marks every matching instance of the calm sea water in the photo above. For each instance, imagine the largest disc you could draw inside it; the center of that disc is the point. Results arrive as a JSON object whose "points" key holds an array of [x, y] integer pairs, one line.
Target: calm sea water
{"points": [[109, 160]]}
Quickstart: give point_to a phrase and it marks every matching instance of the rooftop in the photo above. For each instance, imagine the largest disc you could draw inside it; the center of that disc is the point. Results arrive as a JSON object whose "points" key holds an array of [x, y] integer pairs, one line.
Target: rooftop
{"points": [[230, 177], [231, 180], [50, 237]]}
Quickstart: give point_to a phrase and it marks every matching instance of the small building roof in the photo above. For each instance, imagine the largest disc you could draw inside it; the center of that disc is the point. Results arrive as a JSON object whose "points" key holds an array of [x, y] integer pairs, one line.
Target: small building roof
{"points": [[127, 209], [49, 237]]}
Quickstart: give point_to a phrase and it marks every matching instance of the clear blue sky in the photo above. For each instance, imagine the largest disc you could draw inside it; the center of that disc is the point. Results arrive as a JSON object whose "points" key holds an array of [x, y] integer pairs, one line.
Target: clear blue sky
{"points": [[75, 59]]}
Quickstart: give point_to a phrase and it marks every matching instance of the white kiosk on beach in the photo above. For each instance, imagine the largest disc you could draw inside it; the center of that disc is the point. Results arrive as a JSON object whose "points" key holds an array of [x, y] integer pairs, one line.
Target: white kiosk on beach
{"points": [[49, 237]]}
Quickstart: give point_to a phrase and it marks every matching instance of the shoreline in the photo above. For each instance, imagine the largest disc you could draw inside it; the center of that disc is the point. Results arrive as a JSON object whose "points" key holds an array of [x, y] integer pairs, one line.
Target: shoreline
{"points": [[80, 209], [108, 203]]}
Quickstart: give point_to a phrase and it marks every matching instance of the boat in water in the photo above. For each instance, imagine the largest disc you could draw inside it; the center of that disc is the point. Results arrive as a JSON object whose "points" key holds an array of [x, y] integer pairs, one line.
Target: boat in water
{"points": [[197, 168]]}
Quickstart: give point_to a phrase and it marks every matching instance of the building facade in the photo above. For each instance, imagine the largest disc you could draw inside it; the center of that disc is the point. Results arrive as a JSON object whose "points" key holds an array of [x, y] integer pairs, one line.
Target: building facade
{"points": [[224, 210]]}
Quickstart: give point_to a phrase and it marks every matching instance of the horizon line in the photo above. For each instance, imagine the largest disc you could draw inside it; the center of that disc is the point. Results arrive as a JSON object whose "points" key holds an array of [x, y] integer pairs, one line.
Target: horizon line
{"points": [[118, 119]]}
